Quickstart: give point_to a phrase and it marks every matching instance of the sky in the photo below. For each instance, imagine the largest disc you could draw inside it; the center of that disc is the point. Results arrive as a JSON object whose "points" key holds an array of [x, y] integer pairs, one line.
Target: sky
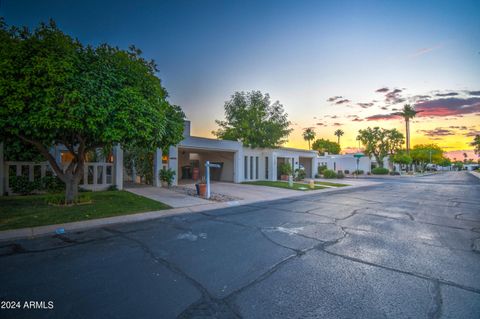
{"points": [[332, 64]]}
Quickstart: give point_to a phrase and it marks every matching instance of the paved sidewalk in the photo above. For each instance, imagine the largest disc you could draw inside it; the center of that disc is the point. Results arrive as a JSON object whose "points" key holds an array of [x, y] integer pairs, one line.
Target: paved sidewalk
{"points": [[169, 197]]}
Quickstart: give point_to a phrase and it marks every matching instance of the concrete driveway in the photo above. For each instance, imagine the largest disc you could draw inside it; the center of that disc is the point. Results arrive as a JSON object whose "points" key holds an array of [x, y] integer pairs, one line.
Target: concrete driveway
{"points": [[393, 250]]}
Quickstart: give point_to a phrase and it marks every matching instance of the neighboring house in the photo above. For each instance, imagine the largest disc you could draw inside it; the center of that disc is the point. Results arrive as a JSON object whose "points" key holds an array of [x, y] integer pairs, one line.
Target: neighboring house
{"points": [[345, 162], [238, 163]]}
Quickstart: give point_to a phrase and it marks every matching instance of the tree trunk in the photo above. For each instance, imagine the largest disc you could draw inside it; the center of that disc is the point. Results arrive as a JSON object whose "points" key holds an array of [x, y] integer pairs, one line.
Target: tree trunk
{"points": [[71, 190], [309, 144], [379, 161]]}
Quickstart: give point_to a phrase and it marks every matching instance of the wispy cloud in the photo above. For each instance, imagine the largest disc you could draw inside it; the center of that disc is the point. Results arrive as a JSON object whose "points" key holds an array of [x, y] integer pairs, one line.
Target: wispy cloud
{"points": [[423, 51]]}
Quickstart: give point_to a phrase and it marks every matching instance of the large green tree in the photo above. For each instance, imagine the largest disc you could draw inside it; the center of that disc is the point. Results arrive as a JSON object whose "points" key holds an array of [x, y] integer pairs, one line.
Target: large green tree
{"points": [[55, 90], [325, 146], [423, 154], [252, 119], [379, 142]]}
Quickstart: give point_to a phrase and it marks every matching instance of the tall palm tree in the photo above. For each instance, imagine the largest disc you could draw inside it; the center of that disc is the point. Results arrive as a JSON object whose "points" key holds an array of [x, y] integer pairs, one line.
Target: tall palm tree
{"points": [[408, 112], [339, 133], [465, 157], [309, 135], [476, 144]]}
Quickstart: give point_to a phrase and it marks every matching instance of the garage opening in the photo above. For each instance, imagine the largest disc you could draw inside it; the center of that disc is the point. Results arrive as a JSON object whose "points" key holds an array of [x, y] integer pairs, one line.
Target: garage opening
{"points": [[191, 165]]}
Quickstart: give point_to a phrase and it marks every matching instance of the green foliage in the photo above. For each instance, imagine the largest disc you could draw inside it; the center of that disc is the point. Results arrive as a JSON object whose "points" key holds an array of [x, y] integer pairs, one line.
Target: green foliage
{"points": [[380, 142], [402, 158], [285, 169], [408, 112], [325, 146], [380, 171], [328, 173], [55, 90], [142, 159], [444, 162], [300, 174], [422, 154], [321, 168], [458, 165], [252, 119], [51, 184], [167, 175], [358, 172], [22, 185], [16, 150]]}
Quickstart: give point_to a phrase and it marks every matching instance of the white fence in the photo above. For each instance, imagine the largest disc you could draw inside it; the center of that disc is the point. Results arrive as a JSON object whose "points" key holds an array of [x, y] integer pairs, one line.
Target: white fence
{"points": [[96, 176]]}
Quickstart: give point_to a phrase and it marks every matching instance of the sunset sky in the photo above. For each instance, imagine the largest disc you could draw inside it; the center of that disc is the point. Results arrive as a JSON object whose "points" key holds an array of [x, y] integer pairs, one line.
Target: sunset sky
{"points": [[332, 64]]}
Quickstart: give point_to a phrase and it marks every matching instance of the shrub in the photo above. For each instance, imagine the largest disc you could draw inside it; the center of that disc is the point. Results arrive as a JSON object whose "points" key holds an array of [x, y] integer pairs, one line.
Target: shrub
{"points": [[22, 185], [285, 169], [321, 168], [317, 176], [346, 171], [340, 174], [112, 188], [380, 171], [394, 173], [328, 173], [51, 184], [300, 174], [167, 175], [358, 172]]}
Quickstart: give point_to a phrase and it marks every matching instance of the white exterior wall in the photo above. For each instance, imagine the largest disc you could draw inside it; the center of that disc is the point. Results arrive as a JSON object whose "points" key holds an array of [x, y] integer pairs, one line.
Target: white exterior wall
{"points": [[344, 162]]}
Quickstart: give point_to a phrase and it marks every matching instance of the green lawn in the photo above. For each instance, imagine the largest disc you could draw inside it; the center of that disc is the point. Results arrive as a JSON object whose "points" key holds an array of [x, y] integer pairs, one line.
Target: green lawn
{"points": [[281, 184], [331, 184], [29, 211]]}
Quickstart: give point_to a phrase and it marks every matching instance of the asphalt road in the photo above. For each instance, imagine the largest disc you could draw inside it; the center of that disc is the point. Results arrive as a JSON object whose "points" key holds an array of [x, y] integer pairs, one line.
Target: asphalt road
{"points": [[407, 249]]}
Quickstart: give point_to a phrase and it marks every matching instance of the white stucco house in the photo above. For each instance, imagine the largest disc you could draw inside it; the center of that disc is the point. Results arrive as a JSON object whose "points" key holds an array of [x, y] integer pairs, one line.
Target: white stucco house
{"points": [[238, 163]]}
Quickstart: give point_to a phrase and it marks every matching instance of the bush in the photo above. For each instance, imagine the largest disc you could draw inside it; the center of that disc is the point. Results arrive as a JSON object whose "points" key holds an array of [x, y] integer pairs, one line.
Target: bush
{"points": [[300, 174], [317, 176], [380, 171], [22, 185], [394, 173], [328, 173], [51, 184], [346, 171], [285, 169], [321, 169], [340, 174], [167, 175], [358, 172]]}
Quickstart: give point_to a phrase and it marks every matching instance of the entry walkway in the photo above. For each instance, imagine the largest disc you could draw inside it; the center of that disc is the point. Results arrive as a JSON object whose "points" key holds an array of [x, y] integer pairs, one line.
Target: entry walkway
{"points": [[167, 196]]}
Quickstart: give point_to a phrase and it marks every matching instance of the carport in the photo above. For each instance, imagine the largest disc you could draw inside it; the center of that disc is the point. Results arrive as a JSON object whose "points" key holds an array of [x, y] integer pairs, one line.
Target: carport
{"points": [[191, 165]]}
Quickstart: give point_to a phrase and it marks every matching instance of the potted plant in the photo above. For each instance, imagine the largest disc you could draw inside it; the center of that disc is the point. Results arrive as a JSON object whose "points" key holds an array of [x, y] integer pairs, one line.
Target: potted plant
{"points": [[166, 177], [201, 187], [285, 171]]}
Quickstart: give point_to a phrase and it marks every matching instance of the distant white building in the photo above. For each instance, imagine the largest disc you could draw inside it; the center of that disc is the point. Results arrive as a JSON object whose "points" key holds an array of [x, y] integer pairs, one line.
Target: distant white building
{"points": [[345, 162]]}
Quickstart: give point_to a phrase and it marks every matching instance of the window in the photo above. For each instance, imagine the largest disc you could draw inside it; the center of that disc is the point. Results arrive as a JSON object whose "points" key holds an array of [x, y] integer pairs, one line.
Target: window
{"points": [[256, 167], [266, 167], [251, 167], [245, 167]]}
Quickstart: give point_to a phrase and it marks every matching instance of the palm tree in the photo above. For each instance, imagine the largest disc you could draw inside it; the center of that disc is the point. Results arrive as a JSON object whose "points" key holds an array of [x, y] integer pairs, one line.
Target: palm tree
{"points": [[465, 157], [309, 135], [339, 133], [408, 112], [476, 145]]}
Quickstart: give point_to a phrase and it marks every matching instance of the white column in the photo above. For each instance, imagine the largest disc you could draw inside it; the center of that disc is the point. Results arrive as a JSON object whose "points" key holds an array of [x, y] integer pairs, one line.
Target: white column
{"points": [[2, 170], [173, 162], [236, 167], [157, 166], [273, 167], [118, 166]]}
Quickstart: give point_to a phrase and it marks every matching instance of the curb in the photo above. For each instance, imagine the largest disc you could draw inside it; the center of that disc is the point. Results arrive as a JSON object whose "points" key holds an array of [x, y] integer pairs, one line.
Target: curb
{"points": [[476, 174], [39, 231]]}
